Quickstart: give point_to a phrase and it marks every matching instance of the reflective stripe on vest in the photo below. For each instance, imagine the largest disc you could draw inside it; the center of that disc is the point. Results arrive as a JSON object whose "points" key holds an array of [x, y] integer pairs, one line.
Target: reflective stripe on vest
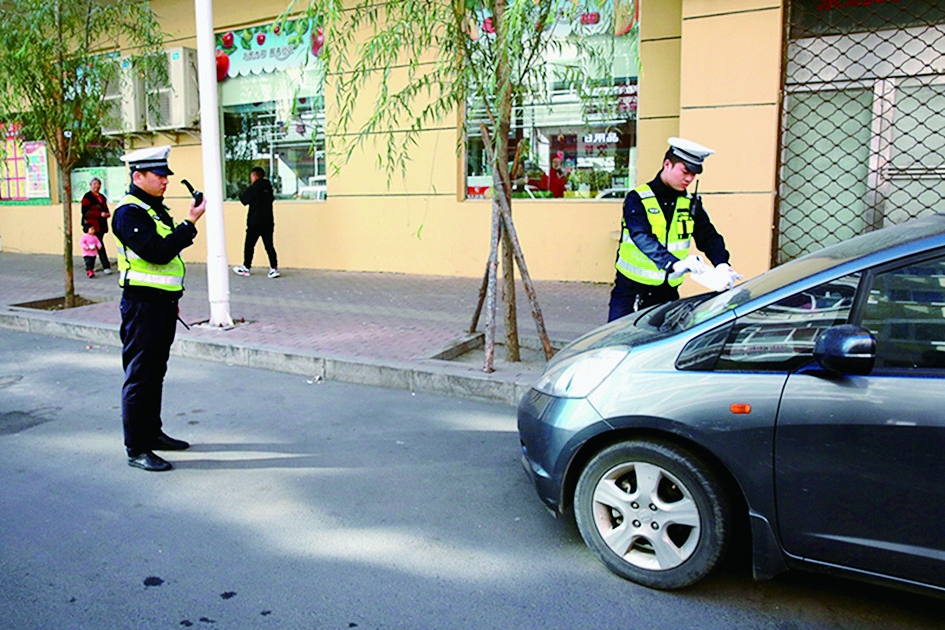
{"points": [[636, 265], [135, 271]]}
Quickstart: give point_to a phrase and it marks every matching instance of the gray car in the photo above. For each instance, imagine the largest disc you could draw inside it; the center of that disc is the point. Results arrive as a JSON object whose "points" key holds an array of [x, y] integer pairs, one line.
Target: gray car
{"points": [[805, 406]]}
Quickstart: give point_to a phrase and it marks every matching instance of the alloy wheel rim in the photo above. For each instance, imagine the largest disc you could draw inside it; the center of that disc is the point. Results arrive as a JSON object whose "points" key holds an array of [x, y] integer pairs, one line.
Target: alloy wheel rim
{"points": [[647, 516]]}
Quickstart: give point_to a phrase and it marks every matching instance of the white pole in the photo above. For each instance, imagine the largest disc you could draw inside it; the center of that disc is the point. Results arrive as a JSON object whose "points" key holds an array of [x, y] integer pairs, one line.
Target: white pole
{"points": [[218, 279]]}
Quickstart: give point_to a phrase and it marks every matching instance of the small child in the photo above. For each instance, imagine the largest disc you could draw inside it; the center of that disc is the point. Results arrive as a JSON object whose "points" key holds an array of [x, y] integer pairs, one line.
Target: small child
{"points": [[90, 246]]}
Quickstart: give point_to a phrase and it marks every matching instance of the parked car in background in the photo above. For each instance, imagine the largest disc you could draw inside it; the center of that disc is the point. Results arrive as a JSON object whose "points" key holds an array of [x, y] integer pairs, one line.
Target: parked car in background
{"points": [[806, 403], [613, 193]]}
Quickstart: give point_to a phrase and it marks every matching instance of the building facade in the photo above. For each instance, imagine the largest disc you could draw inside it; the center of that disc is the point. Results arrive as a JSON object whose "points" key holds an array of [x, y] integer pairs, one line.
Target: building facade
{"points": [[756, 80]]}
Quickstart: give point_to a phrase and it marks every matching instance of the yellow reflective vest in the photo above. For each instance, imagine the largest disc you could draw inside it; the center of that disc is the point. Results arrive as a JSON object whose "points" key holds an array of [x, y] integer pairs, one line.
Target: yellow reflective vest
{"points": [[636, 265], [136, 271]]}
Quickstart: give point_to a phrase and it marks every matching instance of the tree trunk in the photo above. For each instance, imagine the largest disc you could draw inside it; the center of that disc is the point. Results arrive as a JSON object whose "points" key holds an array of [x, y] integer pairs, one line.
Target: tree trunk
{"points": [[512, 351], [483, 288], [491, 269], [65, 176], [502, 207], [500, 164], [516, 247]]}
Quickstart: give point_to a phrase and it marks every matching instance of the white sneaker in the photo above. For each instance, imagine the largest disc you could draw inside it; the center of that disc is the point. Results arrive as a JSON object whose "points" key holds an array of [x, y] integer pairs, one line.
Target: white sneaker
{"points": [[273, 273], [240, 270], [107, 272]]}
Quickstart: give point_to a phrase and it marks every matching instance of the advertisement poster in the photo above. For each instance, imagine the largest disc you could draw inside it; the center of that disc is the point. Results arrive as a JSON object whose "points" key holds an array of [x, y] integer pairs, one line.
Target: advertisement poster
{"points": [[37, 171], [114, 182]]}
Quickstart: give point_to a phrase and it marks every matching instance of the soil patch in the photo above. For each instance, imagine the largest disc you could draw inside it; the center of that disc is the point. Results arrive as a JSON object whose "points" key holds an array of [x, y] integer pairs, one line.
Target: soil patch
{"points": [[55, 304]]}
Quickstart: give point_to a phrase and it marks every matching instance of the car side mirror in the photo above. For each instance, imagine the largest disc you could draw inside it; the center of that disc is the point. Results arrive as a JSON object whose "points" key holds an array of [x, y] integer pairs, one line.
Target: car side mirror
{"points": [[846, 349]]}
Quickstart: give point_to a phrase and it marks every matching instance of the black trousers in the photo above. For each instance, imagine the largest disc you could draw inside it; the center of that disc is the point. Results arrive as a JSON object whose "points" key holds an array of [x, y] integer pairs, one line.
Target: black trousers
{"points": [[629, 296], [89, 263], [103, 256], [253, 234], [147, 331]]}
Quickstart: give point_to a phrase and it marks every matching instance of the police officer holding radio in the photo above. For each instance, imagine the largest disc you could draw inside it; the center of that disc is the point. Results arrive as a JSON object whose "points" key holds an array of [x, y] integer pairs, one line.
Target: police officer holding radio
{"points": [[659, 218], [151, 274]]}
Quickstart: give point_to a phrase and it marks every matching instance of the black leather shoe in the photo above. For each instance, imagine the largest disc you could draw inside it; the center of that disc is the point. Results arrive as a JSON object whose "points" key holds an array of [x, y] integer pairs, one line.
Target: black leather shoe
{"points": [[166, 443], [147, 460]]}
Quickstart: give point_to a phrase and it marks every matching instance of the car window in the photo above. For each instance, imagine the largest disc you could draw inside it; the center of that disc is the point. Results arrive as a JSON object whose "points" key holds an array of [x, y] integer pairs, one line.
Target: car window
{"points": [[905, 311], [702, 353], [811, 264], [781, 336]]}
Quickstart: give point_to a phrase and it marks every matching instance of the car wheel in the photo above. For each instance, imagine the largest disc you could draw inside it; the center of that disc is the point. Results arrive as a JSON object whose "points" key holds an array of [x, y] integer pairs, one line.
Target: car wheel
{"points": [[653, 513]]}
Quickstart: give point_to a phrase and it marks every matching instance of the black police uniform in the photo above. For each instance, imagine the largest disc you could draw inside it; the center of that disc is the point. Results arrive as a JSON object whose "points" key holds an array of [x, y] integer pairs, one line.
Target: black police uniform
{"points": [[628, 295], [148, 319]]}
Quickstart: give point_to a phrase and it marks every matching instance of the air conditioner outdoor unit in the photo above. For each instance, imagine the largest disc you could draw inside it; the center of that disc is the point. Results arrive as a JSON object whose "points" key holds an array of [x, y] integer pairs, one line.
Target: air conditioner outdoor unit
{"points": [[176, 105], [124, 100]]}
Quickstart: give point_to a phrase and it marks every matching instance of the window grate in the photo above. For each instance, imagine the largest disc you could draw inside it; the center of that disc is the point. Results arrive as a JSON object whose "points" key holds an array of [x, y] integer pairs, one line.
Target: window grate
{"points": [[863, 119]]}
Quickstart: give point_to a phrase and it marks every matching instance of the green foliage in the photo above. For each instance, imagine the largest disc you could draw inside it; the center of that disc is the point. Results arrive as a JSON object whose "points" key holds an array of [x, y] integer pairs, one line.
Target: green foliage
{"points": [[58, 58], [421, 61]]}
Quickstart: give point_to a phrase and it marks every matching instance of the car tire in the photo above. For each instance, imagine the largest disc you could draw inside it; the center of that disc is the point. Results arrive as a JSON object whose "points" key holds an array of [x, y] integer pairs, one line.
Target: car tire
{"points": [[653, 513]]}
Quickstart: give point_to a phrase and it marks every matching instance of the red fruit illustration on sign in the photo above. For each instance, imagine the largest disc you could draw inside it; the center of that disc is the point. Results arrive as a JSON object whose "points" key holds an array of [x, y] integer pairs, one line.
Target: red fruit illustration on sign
{"points": [[626, 14], [590, 18], [276, 29], [318, 41], [228, 40], [223, 65], [487, 25], [261, 39]]}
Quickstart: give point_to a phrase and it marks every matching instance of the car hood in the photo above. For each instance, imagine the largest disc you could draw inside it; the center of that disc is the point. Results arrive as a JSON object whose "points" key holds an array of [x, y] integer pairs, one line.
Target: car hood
{"points": [[633, 330]]}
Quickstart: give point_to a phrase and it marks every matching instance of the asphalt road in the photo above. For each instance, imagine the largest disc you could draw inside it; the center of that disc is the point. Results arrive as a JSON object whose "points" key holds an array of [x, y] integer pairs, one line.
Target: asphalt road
{"points": [[321, 505]]}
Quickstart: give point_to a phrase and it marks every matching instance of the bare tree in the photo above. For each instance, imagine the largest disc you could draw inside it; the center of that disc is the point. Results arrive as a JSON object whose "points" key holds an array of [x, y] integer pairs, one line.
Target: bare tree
{"points": [[457, 55]]}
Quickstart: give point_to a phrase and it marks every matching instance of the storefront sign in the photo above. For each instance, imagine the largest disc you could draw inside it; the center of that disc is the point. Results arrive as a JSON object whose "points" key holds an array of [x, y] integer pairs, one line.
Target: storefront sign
{"points": [[600, 144], [268, 48], [582, 18]]}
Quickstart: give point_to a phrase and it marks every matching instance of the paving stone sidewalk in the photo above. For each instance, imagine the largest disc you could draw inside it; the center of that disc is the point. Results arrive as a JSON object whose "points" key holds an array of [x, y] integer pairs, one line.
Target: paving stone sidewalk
{"points": [[376, 328]]}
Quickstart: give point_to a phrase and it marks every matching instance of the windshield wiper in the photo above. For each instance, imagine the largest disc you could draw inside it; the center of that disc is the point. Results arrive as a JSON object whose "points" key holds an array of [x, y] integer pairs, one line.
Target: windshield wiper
{"points": [[678, 314]]}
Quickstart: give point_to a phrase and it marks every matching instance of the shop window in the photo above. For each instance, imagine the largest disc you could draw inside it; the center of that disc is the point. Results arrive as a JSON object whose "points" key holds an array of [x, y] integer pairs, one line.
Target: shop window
{"points": [[562, 145], [14, 170], [273, 106]]}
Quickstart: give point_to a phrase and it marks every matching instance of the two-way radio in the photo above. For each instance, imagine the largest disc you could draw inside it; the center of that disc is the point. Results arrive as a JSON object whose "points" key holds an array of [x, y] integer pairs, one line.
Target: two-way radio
{"points": [[196, 194]]}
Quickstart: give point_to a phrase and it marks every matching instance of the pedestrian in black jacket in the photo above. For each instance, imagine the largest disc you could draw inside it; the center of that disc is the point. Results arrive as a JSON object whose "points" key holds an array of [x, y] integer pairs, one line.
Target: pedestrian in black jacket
{"points": [[259, 222]]}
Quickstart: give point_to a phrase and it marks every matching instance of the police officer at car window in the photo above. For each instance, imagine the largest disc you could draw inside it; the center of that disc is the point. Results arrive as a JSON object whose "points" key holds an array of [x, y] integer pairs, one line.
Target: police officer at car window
{"points": [[151, 274], [659, 219]]}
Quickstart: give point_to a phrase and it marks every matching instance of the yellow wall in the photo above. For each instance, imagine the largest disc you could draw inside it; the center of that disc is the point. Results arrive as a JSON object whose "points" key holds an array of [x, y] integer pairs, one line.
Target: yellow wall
{"points": [[710, 72], [729, 100]]}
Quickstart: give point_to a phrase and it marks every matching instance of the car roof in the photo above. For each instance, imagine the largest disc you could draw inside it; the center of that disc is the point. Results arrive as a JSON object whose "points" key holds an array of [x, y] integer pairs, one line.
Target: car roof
{"points": [[866, 250]]}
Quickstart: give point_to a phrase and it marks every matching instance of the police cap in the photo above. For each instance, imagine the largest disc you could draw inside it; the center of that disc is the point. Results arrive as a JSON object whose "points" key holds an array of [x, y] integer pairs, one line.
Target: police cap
{"points": [[691, 153], [152, 159]]}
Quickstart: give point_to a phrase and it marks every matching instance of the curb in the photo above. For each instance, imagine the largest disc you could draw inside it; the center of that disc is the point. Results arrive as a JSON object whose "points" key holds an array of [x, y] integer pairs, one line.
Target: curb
{"points": [[430, 376]]}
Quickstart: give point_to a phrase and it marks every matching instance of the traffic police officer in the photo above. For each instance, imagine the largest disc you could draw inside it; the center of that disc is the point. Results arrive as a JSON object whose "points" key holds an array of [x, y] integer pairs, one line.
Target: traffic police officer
{"points": [[151, 274], [659, 218]]}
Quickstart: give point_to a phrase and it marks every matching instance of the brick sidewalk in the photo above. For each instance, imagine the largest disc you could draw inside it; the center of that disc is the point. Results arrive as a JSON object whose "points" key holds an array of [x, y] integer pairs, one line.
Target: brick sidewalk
{"points": [[373, 317]]}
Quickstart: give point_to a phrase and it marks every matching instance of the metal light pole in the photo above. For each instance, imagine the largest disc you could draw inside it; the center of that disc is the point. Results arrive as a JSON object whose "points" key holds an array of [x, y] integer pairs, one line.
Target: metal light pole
{"points": [[218, 279]]}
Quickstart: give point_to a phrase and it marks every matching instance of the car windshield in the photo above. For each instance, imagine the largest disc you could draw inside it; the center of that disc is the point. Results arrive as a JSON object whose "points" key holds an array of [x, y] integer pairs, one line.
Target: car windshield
{"points": [[691, 313]]}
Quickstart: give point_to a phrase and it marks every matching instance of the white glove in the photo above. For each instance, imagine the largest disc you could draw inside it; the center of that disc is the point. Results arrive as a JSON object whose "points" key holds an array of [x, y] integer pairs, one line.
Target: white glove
{"points": [[733, 275], [693, 263]]}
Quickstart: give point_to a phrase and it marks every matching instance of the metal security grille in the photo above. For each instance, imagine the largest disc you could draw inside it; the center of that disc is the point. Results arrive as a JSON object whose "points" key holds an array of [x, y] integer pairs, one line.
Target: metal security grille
{"points": [[863, 119]]}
